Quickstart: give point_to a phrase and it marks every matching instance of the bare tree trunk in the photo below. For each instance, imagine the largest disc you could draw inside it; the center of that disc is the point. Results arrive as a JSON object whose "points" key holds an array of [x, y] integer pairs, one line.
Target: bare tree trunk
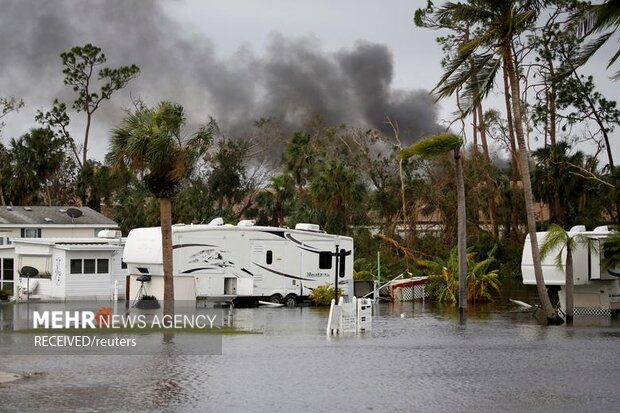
{"points": [[85, 148], [489, 180], [462, 231], [475, 128], [550, 313], [166, 248], [569, 290], [403, 200], [514, 210]]}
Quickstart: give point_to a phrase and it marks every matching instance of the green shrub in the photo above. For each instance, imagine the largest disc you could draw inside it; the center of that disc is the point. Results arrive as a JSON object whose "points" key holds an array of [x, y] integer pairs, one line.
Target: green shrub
{"points": [[323, 294], [443, 283], [5, 294]]}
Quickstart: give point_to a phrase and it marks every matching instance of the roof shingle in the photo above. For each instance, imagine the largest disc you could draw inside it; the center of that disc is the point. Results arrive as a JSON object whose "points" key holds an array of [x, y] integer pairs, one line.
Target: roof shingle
{"points": [[55, 215]]}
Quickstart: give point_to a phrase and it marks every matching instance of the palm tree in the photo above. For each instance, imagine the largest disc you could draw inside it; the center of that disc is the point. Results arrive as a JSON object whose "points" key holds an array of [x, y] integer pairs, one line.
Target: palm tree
{"points": [[559, 238], [150, 142], [499, 23], [433, 146], [611, 250], [337, 194], [597, 18]]}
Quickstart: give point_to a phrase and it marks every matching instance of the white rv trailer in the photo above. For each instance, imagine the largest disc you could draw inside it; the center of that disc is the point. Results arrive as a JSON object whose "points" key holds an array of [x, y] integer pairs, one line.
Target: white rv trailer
{"points": [[596, 289], [249, 262]]}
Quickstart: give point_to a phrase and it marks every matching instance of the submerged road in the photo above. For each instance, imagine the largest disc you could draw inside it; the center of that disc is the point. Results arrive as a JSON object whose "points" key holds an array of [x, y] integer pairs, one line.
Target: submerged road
{"points": [[498, 361]]}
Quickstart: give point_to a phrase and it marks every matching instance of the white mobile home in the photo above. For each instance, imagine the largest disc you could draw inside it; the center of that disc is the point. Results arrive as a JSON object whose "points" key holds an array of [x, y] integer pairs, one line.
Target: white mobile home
{"points": [[70, 268], [37, 222], [596, 291], [246, 261]]}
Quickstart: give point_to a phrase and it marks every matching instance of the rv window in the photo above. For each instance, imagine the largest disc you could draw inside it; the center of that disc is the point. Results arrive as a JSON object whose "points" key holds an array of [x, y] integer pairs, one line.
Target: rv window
{"points": [[123, 265], [325, 260], [102, 266], [76, 266], [269, 258], [89, 266]]}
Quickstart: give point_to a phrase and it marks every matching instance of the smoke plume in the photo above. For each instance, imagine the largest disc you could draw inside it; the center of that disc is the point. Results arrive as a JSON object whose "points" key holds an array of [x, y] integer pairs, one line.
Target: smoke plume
{"points": [[293, 80]]}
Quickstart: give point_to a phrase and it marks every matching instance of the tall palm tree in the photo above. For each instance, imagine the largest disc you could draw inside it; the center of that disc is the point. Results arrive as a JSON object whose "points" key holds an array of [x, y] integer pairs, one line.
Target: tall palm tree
{"points": [[437, 145], [499, 23], [558, 238], [150, 142]]}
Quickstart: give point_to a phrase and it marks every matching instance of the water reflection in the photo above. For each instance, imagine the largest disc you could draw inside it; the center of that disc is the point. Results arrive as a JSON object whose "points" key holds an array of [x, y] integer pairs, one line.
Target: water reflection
{"points": [[417, 358]]}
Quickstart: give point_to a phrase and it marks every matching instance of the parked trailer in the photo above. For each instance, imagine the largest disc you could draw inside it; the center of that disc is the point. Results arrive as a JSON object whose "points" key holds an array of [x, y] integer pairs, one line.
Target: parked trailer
{"points": [[596, 288], [279, 265]]}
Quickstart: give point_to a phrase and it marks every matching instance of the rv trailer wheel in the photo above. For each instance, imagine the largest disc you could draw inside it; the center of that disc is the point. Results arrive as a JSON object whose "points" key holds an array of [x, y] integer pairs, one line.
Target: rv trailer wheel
{"points": [[291, 300], [276, 299]]}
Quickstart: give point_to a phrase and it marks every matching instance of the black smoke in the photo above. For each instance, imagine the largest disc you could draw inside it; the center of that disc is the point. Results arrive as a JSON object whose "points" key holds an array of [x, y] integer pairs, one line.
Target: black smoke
{"points": [[291, 81]]}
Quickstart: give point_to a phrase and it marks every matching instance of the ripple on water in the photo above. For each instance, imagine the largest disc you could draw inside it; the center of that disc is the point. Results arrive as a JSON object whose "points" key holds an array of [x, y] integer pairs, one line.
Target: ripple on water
{"points": [[424, 361]]}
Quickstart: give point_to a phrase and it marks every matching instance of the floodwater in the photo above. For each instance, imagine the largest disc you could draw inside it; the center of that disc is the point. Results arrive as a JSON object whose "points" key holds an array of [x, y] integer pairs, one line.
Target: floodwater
{"points": [[417, 358]]}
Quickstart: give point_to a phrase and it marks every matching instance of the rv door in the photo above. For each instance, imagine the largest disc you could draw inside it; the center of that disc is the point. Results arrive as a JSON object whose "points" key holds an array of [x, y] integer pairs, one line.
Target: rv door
{"points": [[272, 268]]}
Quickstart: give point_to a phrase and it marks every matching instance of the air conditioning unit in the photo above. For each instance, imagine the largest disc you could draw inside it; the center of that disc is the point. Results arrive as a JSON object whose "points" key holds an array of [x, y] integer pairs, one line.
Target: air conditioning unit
{"points": [[109, 233], [246, 223], [308, 227]]}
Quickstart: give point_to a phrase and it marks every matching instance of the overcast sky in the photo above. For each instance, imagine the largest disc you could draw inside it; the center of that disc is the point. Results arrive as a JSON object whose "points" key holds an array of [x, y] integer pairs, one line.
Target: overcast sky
{"points": [[237, 60]]}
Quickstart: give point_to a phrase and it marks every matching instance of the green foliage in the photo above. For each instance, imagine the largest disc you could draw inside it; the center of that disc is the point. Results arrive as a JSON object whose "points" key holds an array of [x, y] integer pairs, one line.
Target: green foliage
{"points": [[227, 176], [443, 284], [7, 105], [95, 184], [559, 239], [611, 250], [150, 141], [433, 146], [29, 166], [323, 294], [571, 185], [134, 207], [299, 156], [274, 204], [482, 282], [5, 294], [79, 67]]}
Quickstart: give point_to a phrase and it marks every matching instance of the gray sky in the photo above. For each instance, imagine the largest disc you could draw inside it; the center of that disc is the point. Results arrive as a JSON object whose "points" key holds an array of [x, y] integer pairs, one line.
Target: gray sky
{"points": [[238, 60]]}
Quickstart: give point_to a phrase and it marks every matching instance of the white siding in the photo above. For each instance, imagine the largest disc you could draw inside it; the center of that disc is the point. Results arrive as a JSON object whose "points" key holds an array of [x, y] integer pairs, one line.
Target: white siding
{"points": [[69, 232], [88, 286]]}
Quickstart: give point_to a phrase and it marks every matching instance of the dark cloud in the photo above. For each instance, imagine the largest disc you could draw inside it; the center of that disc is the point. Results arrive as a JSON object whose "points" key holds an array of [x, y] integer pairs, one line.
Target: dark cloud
{"points": [[292, 81]]}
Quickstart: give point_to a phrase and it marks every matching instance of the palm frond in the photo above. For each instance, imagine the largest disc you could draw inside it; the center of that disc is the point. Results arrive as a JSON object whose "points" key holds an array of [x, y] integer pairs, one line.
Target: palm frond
{"points": [[481, 83], [467, 13], [597, 18], [557, 237], [613, 58], [589, 49], [432, 146], [450, 81]]}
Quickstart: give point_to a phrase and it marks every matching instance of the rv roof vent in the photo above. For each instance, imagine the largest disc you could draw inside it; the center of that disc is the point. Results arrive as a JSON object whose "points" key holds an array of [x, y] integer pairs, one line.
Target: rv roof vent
{"points": [[27, 208], [603, 228], [216, 221], [48, 219], [308, 227], [109, 233], [578, 228], [180, 224], [9, 208], [246, 223], [62, 211]]}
